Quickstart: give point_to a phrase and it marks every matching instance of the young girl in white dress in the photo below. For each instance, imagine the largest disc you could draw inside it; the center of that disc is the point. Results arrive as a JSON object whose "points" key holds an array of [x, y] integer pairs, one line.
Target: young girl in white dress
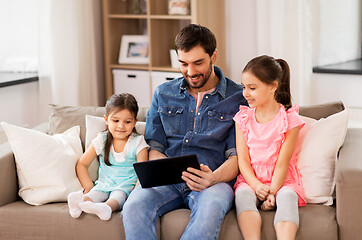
{"points": [[118, 148]]}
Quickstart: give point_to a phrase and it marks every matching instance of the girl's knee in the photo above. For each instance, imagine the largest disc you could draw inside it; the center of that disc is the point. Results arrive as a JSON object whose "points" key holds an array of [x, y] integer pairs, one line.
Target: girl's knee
{"points": [[287, 207], [245, 200], [287, 193]]}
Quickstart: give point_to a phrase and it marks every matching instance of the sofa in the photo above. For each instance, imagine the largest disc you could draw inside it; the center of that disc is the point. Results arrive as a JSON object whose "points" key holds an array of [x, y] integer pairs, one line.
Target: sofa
{"points": [[342, 220]]}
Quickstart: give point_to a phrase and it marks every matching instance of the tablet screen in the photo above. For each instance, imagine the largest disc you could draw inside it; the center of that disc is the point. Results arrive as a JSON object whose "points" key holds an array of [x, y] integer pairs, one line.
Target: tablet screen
{"points": [[164, 171]]}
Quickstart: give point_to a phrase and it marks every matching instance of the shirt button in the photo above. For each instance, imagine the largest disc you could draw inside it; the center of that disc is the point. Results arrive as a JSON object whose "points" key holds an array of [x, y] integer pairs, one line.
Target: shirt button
{"points": [[169, 112], [198, 114], [207, 97]]}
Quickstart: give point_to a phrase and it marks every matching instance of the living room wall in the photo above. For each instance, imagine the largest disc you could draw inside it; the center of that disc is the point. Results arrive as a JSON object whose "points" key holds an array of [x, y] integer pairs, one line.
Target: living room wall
{"points": [[241, 42], [241, 39]]}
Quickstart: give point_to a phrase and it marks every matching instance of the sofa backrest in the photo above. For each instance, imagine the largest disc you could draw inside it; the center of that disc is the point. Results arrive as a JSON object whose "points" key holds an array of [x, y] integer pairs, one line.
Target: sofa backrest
{"points": [[321, 110]]}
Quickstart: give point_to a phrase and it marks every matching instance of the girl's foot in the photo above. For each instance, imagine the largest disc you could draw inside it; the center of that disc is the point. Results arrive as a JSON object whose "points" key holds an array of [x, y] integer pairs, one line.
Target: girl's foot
{"points": [[74, 199], [102, 210]]}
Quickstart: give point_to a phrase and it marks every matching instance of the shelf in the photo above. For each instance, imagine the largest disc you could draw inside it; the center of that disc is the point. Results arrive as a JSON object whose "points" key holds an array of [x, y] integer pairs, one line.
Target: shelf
{"points": [[129, 66], [134, 16], [15, 78], [165, 69], [349, 67], [126, 16], [144, 67], [171, 17], [161, 29]]}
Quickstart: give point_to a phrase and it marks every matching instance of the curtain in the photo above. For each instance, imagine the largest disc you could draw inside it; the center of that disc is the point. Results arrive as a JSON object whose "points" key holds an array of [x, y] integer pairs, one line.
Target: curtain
{"points": [[70, 53], [284, 30]]}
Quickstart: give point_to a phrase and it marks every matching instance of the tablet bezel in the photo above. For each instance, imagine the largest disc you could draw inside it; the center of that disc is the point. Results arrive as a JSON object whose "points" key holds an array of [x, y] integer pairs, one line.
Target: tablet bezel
{"points": [[164, 171]]}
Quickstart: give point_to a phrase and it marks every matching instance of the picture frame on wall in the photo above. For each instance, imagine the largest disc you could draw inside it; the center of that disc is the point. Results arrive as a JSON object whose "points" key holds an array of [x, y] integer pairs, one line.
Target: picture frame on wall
{"points": [[134, 50]]}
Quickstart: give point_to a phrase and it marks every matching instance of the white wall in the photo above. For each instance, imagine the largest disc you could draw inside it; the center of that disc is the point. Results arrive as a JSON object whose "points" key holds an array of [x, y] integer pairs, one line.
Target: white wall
{"points": [[240, 36], [19, 104], [332, 87], [240, 48]]}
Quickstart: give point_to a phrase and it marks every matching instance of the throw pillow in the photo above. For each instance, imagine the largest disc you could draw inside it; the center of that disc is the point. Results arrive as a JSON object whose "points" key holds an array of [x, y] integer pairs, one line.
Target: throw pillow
{"points": [[95, 125], [45, 164], [321, 141], [65, 117]]}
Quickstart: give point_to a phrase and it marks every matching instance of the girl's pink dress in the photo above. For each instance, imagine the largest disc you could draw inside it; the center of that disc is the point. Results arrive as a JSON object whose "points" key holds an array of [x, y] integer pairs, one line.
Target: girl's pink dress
{"points": [[264, 142]]}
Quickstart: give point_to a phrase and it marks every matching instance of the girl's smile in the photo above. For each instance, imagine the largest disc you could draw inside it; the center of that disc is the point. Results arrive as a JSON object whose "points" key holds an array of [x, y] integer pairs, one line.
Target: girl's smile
{"points": [[120, 123]]}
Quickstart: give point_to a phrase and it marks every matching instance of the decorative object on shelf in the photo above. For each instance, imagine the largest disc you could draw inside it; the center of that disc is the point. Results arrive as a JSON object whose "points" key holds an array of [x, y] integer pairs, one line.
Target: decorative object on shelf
{"points": [[135, 7], [134, 49], [178, 7], [174, 59]]}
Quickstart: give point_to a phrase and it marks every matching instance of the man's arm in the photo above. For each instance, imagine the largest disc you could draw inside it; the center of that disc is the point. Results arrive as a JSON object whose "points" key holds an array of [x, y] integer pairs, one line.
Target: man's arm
{"points": [[206, 178], [224, 173]]}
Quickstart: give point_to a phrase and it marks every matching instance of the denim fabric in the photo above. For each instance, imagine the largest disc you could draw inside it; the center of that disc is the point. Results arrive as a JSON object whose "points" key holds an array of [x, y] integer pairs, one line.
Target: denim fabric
{"points": [[171, 126], [173, 129], [208, 208]]}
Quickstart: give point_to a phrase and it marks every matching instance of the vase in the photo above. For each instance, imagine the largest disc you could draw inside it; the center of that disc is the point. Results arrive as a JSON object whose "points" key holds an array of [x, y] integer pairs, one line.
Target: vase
{"points": [[135, 7]]}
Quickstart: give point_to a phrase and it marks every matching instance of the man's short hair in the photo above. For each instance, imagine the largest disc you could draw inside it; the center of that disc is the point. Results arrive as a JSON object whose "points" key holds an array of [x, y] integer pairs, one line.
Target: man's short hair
{"points": [[193, 35]]}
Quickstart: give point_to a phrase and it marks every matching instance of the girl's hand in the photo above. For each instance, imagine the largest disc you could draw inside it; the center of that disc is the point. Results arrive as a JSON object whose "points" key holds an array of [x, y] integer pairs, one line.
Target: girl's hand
{"points": [[269, 203], [262, 191], [88, 188]]}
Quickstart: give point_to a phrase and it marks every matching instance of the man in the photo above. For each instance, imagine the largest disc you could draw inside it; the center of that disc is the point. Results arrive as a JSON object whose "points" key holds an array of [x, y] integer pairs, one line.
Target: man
{"points": [[191, 114]]}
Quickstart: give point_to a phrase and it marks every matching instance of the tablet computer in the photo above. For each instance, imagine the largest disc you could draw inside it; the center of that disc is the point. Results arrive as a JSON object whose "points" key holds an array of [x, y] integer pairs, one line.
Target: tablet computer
{"points": [[164, 171]]}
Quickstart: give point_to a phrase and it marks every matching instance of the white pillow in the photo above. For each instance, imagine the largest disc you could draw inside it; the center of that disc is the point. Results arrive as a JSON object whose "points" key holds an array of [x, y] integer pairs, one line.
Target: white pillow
{"points": [[45, 164], [95, 125], [321, 141]]}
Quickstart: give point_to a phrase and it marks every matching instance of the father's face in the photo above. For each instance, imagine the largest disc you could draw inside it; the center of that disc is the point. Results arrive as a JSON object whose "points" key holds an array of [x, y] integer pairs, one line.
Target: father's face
{"points": [[197, 68]]}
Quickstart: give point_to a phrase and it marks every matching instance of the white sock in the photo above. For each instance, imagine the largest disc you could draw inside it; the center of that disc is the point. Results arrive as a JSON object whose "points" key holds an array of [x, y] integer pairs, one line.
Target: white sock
{"points": [[102, 210], [74, 199]]}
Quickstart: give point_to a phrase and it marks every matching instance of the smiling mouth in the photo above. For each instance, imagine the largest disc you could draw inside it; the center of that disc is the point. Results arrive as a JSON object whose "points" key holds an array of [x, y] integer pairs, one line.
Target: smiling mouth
{"points": [[194, 79]]}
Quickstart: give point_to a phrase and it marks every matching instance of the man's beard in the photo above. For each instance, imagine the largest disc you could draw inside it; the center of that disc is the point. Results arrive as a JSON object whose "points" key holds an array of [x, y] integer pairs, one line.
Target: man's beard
{"points": [[204, 77]]}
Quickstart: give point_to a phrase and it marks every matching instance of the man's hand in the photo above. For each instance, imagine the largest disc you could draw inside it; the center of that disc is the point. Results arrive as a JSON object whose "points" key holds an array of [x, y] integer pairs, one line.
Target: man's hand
{"points": [[198, 180]]}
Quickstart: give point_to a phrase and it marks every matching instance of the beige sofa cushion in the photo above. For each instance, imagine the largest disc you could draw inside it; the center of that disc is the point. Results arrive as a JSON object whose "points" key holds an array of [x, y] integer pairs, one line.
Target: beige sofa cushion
{"points": [[64, 117], [321, 110], [174, 223]]}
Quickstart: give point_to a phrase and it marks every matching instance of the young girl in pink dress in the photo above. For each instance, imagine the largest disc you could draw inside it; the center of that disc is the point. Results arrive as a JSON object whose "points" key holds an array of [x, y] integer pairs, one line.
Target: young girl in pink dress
{"points": [[266, 135]]}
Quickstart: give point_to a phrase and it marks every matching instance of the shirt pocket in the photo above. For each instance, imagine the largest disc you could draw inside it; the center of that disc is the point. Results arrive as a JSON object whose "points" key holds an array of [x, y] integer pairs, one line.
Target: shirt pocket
{"points": [[171, 118], [219, 123]]}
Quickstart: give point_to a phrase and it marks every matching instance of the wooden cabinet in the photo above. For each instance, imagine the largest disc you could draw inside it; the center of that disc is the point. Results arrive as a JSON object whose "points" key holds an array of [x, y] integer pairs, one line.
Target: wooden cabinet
{"points": [[161, 28]]}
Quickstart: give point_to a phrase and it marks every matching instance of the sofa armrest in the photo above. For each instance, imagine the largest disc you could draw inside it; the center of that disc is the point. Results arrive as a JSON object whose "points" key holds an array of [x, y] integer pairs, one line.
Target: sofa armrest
{"points": [[349, 185], [8, 179]]}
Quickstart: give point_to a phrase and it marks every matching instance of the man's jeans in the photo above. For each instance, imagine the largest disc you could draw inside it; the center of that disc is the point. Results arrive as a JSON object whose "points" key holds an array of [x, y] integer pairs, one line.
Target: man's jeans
{"points": [[208, 208]]}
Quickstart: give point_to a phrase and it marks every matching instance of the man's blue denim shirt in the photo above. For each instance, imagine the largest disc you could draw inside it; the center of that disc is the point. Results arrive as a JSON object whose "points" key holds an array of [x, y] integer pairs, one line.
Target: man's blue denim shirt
{"points": [[173, 129]]}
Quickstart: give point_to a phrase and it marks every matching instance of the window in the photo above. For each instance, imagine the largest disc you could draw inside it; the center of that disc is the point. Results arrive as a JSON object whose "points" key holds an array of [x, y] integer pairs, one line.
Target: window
{"points": [[19, 40]]}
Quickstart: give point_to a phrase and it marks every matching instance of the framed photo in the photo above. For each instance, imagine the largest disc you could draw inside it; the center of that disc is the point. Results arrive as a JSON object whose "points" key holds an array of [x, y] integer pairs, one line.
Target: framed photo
{"points": [[134, 49], [178, 7]]}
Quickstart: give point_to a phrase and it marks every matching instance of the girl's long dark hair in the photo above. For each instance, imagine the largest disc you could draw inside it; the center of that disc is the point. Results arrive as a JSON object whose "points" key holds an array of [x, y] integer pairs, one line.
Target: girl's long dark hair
{"points": [[118, 102], [268, 69]]}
